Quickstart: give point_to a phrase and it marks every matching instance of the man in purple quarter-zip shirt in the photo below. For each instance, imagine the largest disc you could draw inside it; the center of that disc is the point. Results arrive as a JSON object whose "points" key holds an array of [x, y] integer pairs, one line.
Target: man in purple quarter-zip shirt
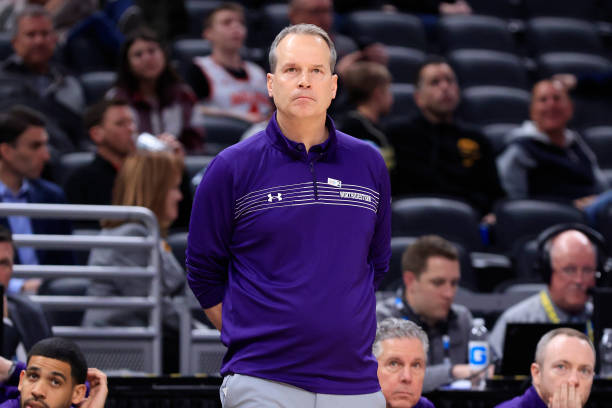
{"points": [[562, 374], [289, 238]]}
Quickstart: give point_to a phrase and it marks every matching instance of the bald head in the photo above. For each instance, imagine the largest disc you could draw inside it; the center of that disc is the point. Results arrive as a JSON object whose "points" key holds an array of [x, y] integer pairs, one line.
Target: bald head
{"points": [[570, 241], [573, 261]]}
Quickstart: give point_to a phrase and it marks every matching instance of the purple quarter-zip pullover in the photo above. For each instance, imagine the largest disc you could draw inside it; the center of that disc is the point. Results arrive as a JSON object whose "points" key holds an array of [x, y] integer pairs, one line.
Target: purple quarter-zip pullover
{"points": [[294, 245]]}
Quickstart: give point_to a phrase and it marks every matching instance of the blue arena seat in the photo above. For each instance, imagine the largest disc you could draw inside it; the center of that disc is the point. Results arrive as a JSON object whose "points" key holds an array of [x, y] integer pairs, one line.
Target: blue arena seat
{"points": [[473, 31], [95, 84], [571, 62], [561, 34], [453, 220], [476, 67], [404, 63], [485, 105], [399, 29]]}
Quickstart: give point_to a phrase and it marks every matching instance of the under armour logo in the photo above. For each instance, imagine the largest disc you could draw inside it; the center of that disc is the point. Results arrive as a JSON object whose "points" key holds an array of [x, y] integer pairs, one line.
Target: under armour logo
{"points": [[278, 196]]}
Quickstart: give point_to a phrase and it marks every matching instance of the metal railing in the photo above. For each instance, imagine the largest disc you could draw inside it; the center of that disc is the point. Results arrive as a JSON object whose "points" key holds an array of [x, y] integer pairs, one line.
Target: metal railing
{"points": [[98, 342]]}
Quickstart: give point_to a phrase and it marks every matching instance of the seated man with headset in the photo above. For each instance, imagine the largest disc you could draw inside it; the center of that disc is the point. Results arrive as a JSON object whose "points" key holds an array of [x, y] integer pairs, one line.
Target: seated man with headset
{"points": [[568, 262]]}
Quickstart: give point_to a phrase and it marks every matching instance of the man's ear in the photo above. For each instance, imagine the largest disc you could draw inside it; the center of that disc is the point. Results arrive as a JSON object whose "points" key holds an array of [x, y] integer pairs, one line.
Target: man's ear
{"points": [[408, 277], [269, 79], [78, 394], [417, 98], [334, 85], [205, 32], [21, 375], [96, 134], [5, 149], [535, 374]]}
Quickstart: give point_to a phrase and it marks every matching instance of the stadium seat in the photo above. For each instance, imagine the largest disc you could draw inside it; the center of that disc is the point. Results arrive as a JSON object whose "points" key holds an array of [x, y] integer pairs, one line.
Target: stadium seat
{"points": [[404, 106], [604, 224], [521, 220], [476, 67], [193, 164], [599, 138], [592, 112], [404, 63], [485, 105], [185, 50], [560, 34], [222, 132], [95, 84], [178, 243], [473, 31], [571, 62], [197, 11], [452, 219], [393, 278], [69, 162], [6, 48], [274, 17], [582, 9], [497, 133], [399, 29], [499, 8]]}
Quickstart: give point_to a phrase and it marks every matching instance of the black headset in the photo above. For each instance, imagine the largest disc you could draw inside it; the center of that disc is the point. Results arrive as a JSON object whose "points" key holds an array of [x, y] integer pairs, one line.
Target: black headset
{"points": [[542, 262]]}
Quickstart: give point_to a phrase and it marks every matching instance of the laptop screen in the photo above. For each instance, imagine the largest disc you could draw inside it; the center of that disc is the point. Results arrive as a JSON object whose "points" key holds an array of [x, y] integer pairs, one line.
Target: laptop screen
{"points": [[520, 344]]}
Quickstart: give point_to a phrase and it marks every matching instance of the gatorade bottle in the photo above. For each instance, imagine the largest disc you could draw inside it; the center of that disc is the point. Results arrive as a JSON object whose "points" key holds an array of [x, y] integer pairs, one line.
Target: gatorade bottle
{"points": [[478, 352]]}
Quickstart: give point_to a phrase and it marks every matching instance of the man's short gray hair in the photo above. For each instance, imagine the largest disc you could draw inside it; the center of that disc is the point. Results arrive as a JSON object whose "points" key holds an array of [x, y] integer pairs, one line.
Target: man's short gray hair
{"points": [[305, 29], [33, 10], [563, 331], [393, 328]]}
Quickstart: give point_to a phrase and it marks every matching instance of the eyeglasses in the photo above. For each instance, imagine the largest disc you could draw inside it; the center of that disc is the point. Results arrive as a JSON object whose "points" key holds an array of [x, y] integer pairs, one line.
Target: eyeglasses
{"points": [[572, 271]]}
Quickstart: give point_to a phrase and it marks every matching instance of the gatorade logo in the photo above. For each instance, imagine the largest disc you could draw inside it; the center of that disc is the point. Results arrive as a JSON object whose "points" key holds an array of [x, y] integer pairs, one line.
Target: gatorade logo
{"points": [[478, 355]]}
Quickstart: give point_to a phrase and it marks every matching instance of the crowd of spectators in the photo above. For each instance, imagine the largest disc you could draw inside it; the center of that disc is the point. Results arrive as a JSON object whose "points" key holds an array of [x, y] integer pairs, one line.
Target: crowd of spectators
{"points": [[429, 150]]}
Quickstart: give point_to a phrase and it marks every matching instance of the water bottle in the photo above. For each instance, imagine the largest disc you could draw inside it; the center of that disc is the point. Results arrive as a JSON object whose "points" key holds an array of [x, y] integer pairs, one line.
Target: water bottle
{"points": [[605, 354], [146, 141], [478, 352]]}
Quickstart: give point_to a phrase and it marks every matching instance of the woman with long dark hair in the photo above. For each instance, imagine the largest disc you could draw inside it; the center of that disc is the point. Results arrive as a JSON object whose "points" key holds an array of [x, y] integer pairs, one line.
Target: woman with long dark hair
{"points": [[162, 101]]}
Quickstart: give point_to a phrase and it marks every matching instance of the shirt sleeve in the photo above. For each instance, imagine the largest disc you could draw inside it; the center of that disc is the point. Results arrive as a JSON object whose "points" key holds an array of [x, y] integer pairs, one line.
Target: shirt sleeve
{"points": [[513, 166], [210, 229], [437, 375], [380, 248]]}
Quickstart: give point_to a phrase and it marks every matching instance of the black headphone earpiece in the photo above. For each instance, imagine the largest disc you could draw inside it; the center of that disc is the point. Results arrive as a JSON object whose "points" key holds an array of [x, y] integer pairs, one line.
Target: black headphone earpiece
{"points": [[542, 262]]}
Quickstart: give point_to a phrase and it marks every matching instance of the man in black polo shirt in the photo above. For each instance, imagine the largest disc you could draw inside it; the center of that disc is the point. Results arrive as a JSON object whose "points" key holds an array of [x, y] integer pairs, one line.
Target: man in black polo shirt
{"points": [[436, 154]]}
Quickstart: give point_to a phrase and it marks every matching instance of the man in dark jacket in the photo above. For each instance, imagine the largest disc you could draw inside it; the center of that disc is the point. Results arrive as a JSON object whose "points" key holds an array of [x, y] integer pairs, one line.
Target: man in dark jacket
{"points": [[435, 153]]}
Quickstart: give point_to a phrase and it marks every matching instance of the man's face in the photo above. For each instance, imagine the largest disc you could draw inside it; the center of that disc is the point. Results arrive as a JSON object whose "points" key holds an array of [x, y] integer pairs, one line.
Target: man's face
{"points": [[117, 130], [317, 12], [6, 263], [47, 383], [574, 267], [227, 30], [35, 40], [401, 370], [431, 294], [302, 85], [437, 92], [551, 107], [567, 360], [27, 156]]}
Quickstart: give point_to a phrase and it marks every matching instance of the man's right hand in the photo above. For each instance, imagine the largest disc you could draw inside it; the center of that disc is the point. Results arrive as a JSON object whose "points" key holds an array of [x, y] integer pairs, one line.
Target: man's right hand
{"points": [[98, 389], [565, 396]]}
